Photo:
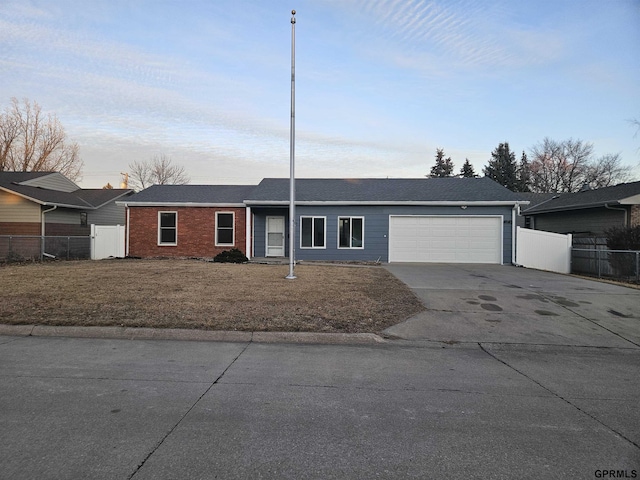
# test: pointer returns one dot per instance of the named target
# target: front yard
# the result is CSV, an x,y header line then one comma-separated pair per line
x,y
198,294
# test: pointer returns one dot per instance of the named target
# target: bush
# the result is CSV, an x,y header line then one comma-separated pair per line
x,y
623,238
231,256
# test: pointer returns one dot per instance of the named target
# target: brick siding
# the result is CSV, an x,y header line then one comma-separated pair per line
x,y
65,229
196,232
634,217
19,228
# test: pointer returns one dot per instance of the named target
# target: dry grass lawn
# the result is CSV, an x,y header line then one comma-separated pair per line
x,y
204,295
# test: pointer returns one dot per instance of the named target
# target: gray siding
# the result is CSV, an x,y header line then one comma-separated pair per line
x,y
376,229
589,222
110,214
66,216
55,181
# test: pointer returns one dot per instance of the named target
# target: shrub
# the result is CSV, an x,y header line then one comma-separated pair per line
x,y
231,256
623,238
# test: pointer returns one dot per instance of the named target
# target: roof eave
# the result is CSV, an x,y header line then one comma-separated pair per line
x,y
573,207
178,204
457,203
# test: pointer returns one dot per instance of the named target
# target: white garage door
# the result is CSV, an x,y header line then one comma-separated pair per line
x,y
443,239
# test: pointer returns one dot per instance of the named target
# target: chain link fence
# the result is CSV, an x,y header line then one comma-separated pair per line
x,y
604,263
23,248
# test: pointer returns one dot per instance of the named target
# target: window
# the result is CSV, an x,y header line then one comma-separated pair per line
x,y
312,232
224,228
167,228
350,232
83,219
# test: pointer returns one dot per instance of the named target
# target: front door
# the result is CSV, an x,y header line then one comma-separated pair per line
x,y
275,237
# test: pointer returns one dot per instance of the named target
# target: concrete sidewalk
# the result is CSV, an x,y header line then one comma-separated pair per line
x,y
505,304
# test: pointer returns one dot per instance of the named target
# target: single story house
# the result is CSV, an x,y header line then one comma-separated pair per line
x,y
588,213
48,203
465,220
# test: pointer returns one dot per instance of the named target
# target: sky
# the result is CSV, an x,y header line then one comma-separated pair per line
x,y
379,84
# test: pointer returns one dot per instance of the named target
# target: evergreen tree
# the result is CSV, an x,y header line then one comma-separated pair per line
x,y
443,166
467,170
523,175
502,167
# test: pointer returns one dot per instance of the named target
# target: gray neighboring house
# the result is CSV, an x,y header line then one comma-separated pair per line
x,y
48,203
587,213
448,220
533,199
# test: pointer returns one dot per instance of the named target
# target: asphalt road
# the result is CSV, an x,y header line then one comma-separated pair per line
x,y
458,392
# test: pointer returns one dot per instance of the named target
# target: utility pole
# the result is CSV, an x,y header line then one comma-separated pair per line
x,y
292,156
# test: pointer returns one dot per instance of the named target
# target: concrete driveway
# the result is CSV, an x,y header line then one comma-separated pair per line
x,y
506,304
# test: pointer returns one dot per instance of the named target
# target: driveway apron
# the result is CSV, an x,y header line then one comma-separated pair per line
x,y
506,304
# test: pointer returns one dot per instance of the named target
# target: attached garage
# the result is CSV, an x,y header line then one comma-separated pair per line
x,y
445,239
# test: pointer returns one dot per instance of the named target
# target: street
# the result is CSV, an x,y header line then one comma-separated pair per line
x,y
143,409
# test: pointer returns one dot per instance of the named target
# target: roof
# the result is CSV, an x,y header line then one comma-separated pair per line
x,y
85,199
623,194
203,195
384,191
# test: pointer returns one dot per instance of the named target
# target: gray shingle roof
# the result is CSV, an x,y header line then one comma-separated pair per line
x,y
587,199
190,194
383,190
87,199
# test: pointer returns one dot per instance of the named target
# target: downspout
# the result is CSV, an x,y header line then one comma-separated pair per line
x,y
514,210
126,251
248,234
43,231
620,209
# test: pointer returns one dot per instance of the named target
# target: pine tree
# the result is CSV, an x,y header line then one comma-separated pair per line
x,y
503,167
467,170
523,174
443,166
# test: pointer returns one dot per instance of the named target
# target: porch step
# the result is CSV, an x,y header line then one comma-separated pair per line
x,y
270,260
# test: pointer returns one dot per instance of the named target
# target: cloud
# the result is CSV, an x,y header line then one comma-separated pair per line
x,y
443,37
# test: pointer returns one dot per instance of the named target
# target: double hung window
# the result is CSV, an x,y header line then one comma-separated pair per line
x,y
167,228
224,229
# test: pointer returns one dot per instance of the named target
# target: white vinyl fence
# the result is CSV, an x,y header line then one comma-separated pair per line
x,y
543,250
107,241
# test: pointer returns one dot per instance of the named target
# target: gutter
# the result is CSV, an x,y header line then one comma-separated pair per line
x,y
606,205
457,203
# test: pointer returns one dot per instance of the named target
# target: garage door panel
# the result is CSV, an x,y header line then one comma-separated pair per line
x,y
453,239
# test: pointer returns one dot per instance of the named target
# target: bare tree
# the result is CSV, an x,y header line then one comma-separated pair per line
x,y
569,165
157,171
31,141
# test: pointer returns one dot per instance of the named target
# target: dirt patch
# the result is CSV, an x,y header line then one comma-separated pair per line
x,y
204,295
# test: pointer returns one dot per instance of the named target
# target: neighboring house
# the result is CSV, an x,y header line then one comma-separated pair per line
x,y
588,213
186,220
462,220
48,203
533,199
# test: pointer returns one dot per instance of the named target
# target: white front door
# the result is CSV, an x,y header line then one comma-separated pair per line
x,y
275,237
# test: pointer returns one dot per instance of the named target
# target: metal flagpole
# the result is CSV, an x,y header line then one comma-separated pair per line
x,y
292,142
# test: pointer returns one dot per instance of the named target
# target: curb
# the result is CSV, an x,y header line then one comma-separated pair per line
x,y
131,333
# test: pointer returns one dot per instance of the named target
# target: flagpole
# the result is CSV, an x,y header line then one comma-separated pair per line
x,y
292,143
